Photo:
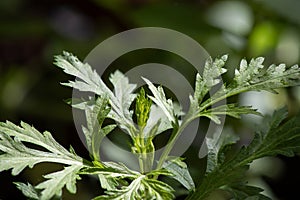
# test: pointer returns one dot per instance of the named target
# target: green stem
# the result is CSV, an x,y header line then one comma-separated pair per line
x,y
141,164
213,100
145,152
246,88
175,135
142,146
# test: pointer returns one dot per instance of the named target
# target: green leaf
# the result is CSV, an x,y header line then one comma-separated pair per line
x,y
201,89
213,69
123,91
140,188
28,190
226,170
274,77
111,169
217,147
108,183
212,72
131,192
228,109
225,167
27,133
242,192
254,77
216,179
181,173
158,189
284,140
246,72
94,133
80,103
17,156
110,174
89,81
57,180
160,99
157,122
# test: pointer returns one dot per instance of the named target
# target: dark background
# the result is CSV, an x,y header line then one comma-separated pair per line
x,y
33,31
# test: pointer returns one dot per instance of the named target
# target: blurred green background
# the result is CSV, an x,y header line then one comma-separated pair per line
x,y
32,31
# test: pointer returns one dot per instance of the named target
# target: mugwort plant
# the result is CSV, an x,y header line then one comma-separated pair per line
x,y
227,163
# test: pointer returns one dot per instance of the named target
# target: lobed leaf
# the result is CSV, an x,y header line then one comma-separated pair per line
x,y
211,77
123,91
180,173
228,109
247,72
57,180
17,156
94,133
157,122
217,147
28,190
160,99
276,139
212,71
252,76
242,192
89,81
141,188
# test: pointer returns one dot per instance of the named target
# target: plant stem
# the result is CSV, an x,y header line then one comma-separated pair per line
x,y
175,134
145,151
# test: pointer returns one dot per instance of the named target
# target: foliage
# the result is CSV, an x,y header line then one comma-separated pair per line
x,y
227,170
155,114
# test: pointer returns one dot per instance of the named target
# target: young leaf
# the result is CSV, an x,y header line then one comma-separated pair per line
x,y
158,190
217,147
272,78
255,77
157,122
141,188
92,82
28,190
94,133
160,99
228,109
27,133
181,173
17,156
111,169
201,90
211,77
108,183
246,73
212,72
111,175
123,91
57,180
